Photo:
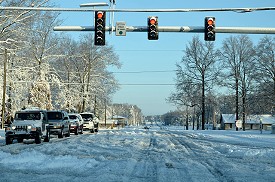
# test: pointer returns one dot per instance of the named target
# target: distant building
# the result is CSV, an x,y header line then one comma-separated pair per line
x,y
115,121
227,121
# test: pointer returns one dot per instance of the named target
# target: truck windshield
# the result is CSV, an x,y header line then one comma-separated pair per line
x,y
72,117
87,116
27,116
54,115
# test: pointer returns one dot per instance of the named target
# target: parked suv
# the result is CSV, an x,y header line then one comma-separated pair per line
x,y
28,124
59,123
76,123
90,122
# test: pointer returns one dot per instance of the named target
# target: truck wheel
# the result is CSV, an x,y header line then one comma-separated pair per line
x,y
76,131
61,134
37,138
92,131
8,140
47,138
81,132
68,134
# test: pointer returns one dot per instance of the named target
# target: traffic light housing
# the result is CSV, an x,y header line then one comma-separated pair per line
x,y
153,33
209,29
100,22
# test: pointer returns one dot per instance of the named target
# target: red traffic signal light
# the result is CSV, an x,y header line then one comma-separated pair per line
x,y
99,14
100,28
152,27
209,29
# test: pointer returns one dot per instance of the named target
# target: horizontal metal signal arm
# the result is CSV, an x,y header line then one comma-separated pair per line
x,y
132,28
74,28
245,30
191,29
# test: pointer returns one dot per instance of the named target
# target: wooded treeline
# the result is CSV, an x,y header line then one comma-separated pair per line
x,y
238,77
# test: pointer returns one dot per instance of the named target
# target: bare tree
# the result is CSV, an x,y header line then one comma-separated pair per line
x,y
196,74
266,73
238,55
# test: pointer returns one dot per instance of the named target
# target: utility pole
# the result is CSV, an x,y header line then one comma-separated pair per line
x,y
4,87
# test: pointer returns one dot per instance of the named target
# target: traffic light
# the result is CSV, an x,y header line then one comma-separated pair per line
x,y
100,27
209,29
153,33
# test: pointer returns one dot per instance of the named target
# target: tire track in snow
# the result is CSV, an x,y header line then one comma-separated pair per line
x,y
196,154
146,167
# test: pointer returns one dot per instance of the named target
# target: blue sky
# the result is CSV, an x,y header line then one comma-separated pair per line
x,y
138,54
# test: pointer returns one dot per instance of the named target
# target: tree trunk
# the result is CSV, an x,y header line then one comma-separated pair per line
x,y
203,102
237,101
243,101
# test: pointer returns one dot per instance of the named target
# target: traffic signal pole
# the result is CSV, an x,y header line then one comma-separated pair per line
x,y
183,29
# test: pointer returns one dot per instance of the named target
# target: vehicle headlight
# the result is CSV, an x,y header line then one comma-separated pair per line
x,y
13,127
29,127
57,126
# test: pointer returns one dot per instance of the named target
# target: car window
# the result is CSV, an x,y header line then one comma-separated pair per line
x,y
27,116
54,115
72,117
87,116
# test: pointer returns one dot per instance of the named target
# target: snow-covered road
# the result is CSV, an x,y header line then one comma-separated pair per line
x,y
134,154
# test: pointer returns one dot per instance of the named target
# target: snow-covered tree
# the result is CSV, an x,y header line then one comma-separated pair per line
x,y
83,69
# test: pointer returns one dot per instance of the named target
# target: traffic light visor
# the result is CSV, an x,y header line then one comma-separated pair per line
x,y
100,14
210,21
152,21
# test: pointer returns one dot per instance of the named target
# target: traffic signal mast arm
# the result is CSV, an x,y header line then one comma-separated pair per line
x,y
183,29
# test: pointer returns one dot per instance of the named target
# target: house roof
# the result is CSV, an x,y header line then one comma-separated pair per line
x,y
118,117
108,121
266,119
251,119
228,118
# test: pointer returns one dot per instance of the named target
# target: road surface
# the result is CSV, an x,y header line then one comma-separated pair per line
x,y
137,155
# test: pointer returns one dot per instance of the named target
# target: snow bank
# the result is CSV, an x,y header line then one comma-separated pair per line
x,y
32,159
2,133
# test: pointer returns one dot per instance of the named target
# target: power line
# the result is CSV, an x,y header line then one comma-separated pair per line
x,y
134,50
150,71
71,83
181,10
147,84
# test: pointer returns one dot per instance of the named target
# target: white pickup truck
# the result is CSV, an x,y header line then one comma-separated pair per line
x,y
28,124
90,122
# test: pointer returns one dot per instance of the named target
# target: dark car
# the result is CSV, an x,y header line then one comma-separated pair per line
x,y
59,123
